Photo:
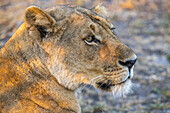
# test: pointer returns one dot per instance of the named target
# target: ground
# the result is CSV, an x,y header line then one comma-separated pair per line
x,y
144,26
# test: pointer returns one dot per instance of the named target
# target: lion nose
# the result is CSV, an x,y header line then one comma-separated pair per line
x,y
128,63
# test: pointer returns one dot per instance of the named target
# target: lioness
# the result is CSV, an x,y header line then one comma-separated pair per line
x,y
57,50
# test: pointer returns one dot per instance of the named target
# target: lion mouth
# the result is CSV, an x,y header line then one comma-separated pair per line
x,y
108,85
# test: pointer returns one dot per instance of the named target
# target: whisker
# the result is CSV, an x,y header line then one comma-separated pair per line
x,y
97,77
113,94
102,83
89,86
93,80
110,82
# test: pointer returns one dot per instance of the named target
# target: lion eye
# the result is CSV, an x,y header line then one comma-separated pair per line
x,y
91,40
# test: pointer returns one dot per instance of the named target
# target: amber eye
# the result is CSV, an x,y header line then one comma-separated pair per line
x,y
91,40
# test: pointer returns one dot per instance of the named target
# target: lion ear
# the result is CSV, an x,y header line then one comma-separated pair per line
x,y
36,16
101,10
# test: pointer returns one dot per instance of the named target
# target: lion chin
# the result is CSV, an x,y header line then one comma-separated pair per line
x,y
118,90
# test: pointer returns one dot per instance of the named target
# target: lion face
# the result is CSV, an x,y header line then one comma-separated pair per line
x,y
83,49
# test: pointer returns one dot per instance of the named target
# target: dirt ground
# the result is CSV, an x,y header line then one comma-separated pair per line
x,y
144,26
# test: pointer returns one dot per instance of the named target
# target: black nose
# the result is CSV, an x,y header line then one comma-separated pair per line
x,y
128,63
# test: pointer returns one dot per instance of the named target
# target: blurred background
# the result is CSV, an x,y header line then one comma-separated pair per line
x,y
143,25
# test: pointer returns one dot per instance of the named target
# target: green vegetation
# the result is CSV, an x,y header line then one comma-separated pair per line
x,y
156,90
114,17
168,16
166,92
154,33
168,32
159,106
98,108
168,56
138,24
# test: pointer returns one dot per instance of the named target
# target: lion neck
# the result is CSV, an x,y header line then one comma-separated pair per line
x,y
64,77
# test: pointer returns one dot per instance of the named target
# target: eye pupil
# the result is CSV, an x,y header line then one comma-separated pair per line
x,y
90,38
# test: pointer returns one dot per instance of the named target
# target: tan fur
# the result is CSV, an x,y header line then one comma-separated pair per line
x,y
48,58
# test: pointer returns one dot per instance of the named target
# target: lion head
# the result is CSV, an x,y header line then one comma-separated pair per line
x,y
82,47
